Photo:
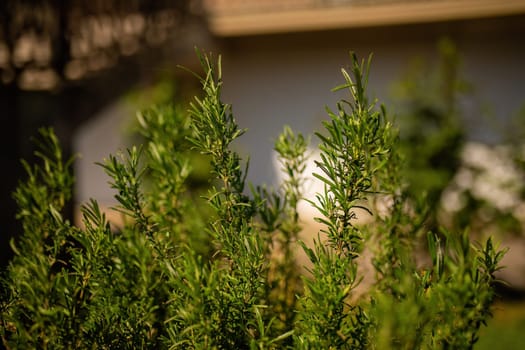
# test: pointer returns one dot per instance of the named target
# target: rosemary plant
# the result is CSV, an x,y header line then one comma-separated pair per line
x,y
356,146
178,276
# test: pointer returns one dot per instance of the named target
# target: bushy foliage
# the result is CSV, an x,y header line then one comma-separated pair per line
x,y
468,184
179,276
432,127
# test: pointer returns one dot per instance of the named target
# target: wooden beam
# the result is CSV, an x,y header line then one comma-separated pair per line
x,y
224,24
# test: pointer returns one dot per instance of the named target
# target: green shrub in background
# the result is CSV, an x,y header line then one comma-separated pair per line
x,y
176,276
430,118
468,184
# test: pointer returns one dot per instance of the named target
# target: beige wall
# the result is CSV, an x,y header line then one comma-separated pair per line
x,y
283,79
286,79
102,135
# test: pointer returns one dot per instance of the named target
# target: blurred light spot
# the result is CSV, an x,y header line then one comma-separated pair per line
x,y
4,55
23,48
75,69
38,79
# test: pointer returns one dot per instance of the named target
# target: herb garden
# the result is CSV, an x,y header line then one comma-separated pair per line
x,y
221,272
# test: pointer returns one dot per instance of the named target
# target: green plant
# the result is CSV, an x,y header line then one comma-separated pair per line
x,y
175,276
430,118
468,184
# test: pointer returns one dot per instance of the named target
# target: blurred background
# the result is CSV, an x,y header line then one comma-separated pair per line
x,y
450,71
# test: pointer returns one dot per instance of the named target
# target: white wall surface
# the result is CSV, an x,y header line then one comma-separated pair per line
x,y
286,79
94,141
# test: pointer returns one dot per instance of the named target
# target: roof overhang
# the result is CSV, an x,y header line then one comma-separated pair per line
x,y
224,23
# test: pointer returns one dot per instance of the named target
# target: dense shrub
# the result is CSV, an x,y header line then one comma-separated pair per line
x,y
177,275
468,183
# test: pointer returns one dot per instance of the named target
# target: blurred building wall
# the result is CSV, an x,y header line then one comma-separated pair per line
x,y
274,79
276,76
278,79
